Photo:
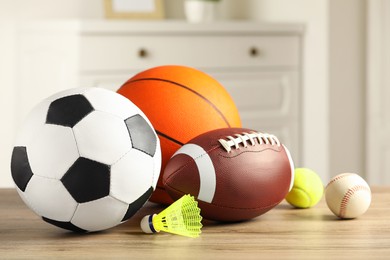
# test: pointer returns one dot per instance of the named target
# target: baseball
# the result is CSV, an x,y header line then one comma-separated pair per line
x,y
348,195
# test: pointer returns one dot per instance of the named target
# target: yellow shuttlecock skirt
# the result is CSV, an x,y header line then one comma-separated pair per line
x,y
181,218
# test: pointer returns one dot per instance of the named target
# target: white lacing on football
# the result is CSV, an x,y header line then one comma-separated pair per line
x,y
263,138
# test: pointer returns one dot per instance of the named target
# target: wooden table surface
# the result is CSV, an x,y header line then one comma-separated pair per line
x,y
282,233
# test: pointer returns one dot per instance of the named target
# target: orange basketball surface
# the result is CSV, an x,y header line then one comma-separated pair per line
x,y
181,103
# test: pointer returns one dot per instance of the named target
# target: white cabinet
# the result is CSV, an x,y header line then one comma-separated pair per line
x,y
107,52
259,64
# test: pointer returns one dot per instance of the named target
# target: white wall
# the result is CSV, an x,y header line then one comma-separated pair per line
x,y
50,9
7,99
347,74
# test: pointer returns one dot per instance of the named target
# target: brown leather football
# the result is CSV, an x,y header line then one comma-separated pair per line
x,y
235,173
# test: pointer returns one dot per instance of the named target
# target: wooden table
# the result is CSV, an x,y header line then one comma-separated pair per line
x,y
282,233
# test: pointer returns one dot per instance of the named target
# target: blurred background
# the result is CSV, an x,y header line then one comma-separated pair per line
x,y
340,79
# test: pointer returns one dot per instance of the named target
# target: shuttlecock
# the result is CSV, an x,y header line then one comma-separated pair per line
x,y
181,218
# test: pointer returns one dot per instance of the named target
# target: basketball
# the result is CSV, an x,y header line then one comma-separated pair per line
x,y
181,103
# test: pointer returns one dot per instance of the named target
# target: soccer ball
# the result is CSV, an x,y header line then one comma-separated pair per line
x,y
86,159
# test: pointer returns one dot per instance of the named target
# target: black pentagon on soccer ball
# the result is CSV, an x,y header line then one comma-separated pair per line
x,y
20,167
68,111
142,135
87,180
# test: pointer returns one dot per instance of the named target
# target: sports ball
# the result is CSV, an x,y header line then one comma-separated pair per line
x,y
348,195
181,103
307,189
235,173
86,159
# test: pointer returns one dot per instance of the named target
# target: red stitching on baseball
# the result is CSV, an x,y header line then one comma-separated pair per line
x,y
338,178
347,197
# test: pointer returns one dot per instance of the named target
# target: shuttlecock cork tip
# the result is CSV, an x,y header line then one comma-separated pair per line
x,y
147,224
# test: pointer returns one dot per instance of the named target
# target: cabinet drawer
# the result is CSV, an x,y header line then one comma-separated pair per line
x,y
264,94
118,53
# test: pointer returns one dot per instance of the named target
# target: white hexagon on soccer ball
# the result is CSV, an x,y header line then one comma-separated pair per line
x,y
99,214
126,184
52,151
117,105
100,132
49,198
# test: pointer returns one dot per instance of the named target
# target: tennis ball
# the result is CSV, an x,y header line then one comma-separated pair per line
x,y
307,190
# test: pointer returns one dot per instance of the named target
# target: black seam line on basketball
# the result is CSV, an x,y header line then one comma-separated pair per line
x,y
189,89
169,138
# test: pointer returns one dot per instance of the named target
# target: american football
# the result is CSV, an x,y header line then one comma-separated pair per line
x,y
235,173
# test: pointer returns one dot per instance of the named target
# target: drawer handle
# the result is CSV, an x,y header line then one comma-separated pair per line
x,y
253,52
142,53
